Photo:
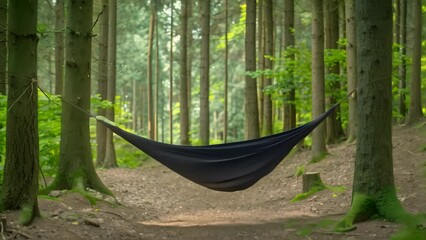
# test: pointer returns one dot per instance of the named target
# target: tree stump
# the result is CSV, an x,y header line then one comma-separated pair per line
x,y
311,179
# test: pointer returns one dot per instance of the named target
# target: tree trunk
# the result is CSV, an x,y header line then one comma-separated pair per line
x,y
171,76
251,107
101,130
269,51
76,169
149,71
289,105
157,79
373,187
225,110
331,28
184,111
351,68
204,78
110,157
261,57
3,46
415,111
318,93
59,46
402,68
20,179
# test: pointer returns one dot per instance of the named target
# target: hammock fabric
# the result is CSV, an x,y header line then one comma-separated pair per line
x,y
224,167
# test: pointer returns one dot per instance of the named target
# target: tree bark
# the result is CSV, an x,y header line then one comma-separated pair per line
x,y
289,42
59,46
76,169
184,111
171,76
269,51
251,107
331,28
3,46
205,69
351,67
318,92
20,179
149,71
373,187
225,110
415,111
101,130
261,57
402,68
110,157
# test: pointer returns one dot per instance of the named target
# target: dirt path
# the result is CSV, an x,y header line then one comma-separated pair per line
x,y
158,204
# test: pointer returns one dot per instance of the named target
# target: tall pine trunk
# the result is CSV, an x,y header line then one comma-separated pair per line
x,y
251,107
415,111
110,157
351,67
318,88
3,46
373,187
402,68
59,46
76,169
205,69
149,71
171,75
289,42
20,179
101,130
269,52
225,110
184,111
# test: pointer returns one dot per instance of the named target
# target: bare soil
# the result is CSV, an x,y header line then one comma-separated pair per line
x,y
159,204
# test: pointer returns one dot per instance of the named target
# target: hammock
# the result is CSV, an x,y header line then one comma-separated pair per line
x,y
223,167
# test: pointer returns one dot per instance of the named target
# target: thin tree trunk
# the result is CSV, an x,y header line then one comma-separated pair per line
x,y
3,46
351,67
20,178
251,107
225,111
269,51
149,74
318,92
261,57
102,82
184,111
171,76
331,28
204,78
59,46
415,111
157,79
110,157
289,105
402,69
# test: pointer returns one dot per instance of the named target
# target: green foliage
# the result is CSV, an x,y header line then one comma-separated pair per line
x,y
317,188
300,170
236,31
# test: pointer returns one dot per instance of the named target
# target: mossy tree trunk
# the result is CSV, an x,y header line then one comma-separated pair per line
x,y
20,180
373,186
76,168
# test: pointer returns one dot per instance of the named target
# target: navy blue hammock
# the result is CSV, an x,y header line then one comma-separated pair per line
x,y
224,167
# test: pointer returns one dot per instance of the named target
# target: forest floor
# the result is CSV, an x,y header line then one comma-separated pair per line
x,y
158,204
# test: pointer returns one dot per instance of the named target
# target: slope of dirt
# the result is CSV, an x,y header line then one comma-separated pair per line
x,y
158,204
